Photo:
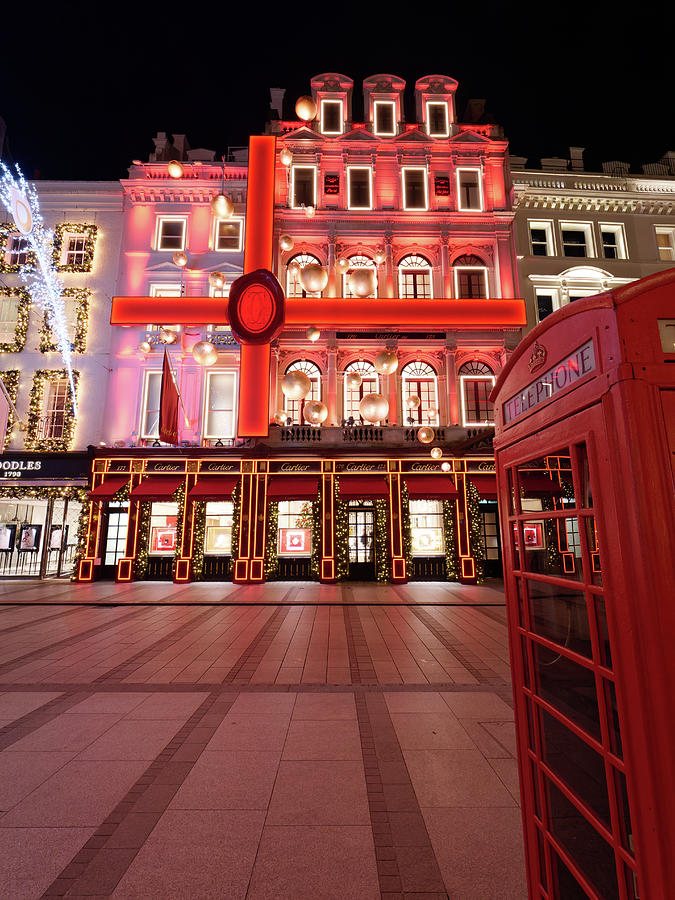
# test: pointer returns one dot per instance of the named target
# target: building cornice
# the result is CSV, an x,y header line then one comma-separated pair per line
x,y
593,193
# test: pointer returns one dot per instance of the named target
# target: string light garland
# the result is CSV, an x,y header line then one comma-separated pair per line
x,y
236,500
33,439
20,199
7,231
271,565
341,534
74,229
407,531
180,521
382,556
79,343
315,560
10,379
82,534
199,536
451,557
476,544
22,310
140,567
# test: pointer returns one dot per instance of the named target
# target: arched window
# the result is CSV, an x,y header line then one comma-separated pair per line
x,y
477,380
358,262
294,286
370,384
294,408
470,278
419,378
414,278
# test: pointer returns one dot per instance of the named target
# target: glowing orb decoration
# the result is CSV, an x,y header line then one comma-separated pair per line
x,y
286,242
374,408
342,265
217,280
280,417
431,413
222,207
436,453
286,157
168,336
445,466
20,209
362,282
144,347
305,108
179,259
315,412
312,333
175,169
309,211
314,278
295,385
386,362
353,380
413,402
380,257
204,353
425,435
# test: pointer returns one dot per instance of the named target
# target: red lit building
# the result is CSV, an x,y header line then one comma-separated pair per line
x,y
424,207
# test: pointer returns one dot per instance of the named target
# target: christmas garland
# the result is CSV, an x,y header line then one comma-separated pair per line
x,y
341,525
22,310
407,531
10,379
451,558
382,555
180,516
236,498
33,441
142,534
271,554
82,532
5,231
315,562
476,544
199,536
79,344
89,232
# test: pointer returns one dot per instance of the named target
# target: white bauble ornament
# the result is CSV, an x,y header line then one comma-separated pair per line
x,y
217,280
295,385
222,206
180,259
380,257
305,108
312,333
374,408
204,353
342,265
436,453
445,466
315,412
386,362
145,347
168,336
286,242
431,413
309,211
175,169
353,380
425,434
280,417
314,278
286,157
362,282
413,402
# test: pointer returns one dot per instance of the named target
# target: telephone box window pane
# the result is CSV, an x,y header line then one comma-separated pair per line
x,y
603,633
593,552
567,686
552,547
583,843
613,717
549,480
576,764
535,784
559,614
568,887
543,877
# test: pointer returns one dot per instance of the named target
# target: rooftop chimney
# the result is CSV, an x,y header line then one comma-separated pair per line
x,y
615,167
277,101
474,112
554,164
577,159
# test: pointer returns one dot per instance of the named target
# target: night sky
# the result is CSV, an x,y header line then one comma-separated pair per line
x,y
98,82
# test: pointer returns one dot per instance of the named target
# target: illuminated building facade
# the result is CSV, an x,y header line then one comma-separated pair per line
x,y
425,207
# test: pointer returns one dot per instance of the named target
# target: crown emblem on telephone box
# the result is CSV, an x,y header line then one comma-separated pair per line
x,y
538,357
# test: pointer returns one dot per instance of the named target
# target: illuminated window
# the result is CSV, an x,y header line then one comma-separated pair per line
x,y
370,384
419,379
152,386
541,238
56,408
358,262
294,408
294,286
470,278
360,187
577,239
437,119
426,528
294,528
384,118
477,381
415,187
9,315
171,234
163,527
613,242
469,189
303,186
74,250
331,117
18,250
414,277
218,528
164,289
220,404
665,243
229,235
547,301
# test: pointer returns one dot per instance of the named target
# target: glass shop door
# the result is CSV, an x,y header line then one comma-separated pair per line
x,y
115,542
362,541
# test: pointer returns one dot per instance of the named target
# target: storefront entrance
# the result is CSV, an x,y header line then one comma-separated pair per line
x,y
361,540
116,536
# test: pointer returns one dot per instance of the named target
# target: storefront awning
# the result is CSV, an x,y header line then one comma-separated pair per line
x,y
108,488
214,487
355,487
535,483
486,485
430,487
293,487
157,487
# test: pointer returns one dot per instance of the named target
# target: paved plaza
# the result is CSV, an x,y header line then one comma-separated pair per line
x,y
275,742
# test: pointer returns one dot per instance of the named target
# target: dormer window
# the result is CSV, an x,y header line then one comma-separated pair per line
x,y
437,119
415,191
384,118
469,189
360,187
331,117
303,186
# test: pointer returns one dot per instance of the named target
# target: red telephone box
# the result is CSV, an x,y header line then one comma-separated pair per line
x,y
585,453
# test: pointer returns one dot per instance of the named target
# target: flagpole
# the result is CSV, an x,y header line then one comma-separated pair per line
x,y
173,375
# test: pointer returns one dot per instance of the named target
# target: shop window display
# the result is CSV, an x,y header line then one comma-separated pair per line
x,y
38,536
163,522
426,527
295,528
218,528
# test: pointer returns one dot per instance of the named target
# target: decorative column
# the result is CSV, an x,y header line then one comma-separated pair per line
x,y
399,574
467,562
446,275
331,288
328,570
389,287
391,392
249,567
331,393
125,566
452,398
184,570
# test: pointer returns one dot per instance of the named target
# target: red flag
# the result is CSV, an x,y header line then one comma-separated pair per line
x,y
168,405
